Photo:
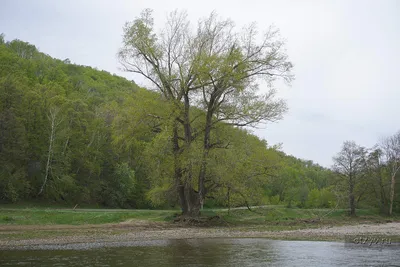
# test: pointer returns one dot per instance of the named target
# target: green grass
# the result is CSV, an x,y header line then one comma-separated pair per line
x,y
287,218
36,216
45,204
270,218
273,217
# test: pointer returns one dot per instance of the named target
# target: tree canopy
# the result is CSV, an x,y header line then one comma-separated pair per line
x,y
214,69
77,135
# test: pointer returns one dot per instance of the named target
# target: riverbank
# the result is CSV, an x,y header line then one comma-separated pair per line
x,y
58,228
31,237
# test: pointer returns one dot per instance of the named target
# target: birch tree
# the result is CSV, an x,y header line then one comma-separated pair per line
x,y
55,121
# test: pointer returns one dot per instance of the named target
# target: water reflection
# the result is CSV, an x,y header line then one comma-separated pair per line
x,y
206,252
195,252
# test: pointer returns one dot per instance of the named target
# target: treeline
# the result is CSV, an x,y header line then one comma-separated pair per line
x,y
56,131
367,176
74,134
78,135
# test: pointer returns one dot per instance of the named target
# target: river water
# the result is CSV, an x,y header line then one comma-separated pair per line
x,y
206,252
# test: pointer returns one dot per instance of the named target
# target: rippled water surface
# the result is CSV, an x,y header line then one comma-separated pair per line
x,y
206,252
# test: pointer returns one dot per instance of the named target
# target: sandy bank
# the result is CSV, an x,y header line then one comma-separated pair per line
x,y
87,236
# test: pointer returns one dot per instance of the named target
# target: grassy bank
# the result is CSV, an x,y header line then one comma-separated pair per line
x,y
50,216
270,216
37,225
279,215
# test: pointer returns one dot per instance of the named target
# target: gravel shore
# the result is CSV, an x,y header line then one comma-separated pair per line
x,y
125,234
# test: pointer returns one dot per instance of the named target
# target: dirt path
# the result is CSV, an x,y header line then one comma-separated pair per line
x,y
38,237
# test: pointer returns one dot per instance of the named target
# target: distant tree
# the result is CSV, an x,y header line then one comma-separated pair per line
x,y
23,49
349,164
379,181
391,151
13,143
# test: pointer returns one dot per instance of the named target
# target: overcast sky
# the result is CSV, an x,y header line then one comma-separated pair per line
x,y
346,57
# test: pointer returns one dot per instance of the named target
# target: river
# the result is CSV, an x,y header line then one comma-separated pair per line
x,y
206,252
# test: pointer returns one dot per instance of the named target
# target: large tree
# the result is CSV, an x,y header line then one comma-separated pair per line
x,y
215,69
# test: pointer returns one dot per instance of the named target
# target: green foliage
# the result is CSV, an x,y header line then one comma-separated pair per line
x,y
55,129
274,200
120,188
112,145
297,181
321,199
209,77
103,127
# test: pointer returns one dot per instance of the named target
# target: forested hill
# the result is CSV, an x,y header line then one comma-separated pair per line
x,y
56,127
74,134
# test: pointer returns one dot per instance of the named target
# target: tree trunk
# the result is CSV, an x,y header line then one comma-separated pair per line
x,y
392,185
182,199
178,171
229,200
206,150
193,202
188,197
189,201
382,195
52,118
351,198
202,176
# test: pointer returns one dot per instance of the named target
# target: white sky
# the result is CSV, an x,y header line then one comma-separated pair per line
x,y
345,54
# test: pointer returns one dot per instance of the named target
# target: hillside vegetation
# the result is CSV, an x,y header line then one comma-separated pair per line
x,y
72,134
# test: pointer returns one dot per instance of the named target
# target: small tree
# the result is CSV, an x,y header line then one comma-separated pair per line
x,y
349,164
391,151
376,171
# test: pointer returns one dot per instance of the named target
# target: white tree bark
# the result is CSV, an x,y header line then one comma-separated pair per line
x,y
52,116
